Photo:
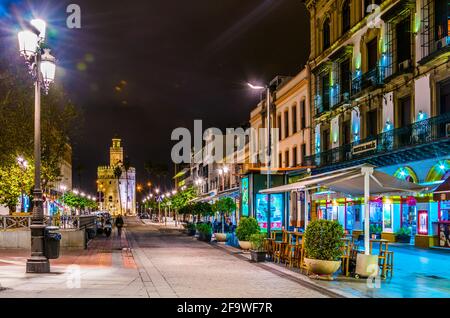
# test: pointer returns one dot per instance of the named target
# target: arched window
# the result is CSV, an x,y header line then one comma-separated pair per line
x,y
326,34
345,16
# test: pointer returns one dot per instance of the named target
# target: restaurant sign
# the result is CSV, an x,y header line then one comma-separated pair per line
x,y
367,146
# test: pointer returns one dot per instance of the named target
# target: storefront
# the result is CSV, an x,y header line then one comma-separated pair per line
x,y
442,195
267,209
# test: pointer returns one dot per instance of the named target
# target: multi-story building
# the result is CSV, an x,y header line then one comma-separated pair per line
x,y
117,193
381,84
291,118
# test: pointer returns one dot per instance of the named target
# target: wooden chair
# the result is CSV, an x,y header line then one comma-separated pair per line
x,y
386,263
346,256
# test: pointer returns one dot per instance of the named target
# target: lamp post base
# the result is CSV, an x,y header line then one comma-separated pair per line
x,y
38,262
40,265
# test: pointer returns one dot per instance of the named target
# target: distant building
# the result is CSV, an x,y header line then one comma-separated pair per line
x,y
117,195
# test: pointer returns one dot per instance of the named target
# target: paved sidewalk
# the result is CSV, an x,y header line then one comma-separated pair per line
x,y
105,269
162,262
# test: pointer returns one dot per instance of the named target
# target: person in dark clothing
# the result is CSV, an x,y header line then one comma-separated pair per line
x,y
119,225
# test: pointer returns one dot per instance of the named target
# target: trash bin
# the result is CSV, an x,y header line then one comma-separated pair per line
x,y
52,242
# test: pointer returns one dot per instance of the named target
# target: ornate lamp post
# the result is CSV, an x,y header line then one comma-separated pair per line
x,y
42,68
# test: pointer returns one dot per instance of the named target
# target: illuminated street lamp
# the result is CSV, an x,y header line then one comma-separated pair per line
x,y
268,89
42,68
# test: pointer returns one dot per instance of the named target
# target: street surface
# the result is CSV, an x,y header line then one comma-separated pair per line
x,y
149,261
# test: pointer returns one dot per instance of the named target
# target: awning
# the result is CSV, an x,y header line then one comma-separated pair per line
x,y
360,180
351,181
442,192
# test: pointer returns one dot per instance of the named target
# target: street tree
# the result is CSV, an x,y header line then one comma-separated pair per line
x,y
224,206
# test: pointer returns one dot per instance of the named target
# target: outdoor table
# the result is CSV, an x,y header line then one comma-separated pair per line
x,y
383,255
383,244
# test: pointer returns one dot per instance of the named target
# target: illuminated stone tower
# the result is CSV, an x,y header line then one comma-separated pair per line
x,y
119,194
115,153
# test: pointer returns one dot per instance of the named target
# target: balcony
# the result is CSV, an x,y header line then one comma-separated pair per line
x,y
423,139
372,78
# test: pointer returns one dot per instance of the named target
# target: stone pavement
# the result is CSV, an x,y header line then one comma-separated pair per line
x,y
161,263
153,260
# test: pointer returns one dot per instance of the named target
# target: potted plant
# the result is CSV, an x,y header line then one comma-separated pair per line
x,y
403,235
205,232
223,206
191,229
323,246
375,230
247,227
258,253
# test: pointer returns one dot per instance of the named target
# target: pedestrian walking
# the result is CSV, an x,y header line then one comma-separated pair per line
x,y
119,225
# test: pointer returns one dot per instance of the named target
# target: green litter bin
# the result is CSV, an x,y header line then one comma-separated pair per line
x,y
52,242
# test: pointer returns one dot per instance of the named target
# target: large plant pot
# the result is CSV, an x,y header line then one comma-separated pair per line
x,y
366,265
258,256
191,232
221,237
322,267
245,245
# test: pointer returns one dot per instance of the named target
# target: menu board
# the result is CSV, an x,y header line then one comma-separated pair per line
x,y
276,211
244,195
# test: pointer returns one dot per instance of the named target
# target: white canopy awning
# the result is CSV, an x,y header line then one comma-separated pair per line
x,y
360,180
351,181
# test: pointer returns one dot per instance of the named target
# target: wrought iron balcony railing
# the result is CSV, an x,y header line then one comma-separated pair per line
x,y
419,133
374,77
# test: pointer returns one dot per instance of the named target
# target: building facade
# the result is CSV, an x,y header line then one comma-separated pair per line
x,y
380,81
117,193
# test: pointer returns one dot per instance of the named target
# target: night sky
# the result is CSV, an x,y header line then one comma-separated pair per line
x,y
140,68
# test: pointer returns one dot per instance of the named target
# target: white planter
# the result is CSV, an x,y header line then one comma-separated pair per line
x,y
221,237
322,267
366,265
245,245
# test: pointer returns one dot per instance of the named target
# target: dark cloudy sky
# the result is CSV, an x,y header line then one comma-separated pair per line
x,y
140,68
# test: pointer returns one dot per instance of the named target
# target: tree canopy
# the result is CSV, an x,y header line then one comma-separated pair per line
x,y
59,122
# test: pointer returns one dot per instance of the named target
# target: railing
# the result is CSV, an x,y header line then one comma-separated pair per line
x,y
64,222
422,132
319,106
371,78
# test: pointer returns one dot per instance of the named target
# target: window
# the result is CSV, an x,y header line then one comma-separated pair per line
x,y
325,92
444,97
371,123
286,124
403,36
442,19
325,140
404,112
345,74
286,158
279,126
294,157
346,139
302,115
345,16
303,154
326,34
294,119
372,54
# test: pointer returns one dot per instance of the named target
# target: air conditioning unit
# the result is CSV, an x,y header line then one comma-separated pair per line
x,y
442,43
403,66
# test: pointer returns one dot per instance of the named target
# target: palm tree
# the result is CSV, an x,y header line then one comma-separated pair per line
x,y
126,165
117,175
